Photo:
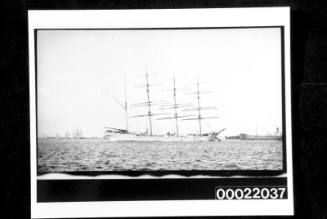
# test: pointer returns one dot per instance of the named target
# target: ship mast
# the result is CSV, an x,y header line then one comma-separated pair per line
x,y
199,108
175,115
149,103
125,106
175,107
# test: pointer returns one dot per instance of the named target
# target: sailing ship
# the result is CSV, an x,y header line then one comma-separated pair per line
x,y
116,134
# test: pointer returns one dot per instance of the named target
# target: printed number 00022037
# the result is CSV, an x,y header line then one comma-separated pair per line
x,y
250,193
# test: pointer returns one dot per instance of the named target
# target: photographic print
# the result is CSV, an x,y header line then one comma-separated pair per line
x,y
154,106
159,99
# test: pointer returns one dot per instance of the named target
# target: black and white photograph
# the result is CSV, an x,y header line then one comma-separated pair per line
x,y
180,103
151,100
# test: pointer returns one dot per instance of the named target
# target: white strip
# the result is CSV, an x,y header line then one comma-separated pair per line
x,y
167,208
57,176
159,18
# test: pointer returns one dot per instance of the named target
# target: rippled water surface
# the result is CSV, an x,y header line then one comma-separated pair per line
x,y
60,155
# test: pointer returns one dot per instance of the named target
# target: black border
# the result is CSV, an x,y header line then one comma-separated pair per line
x,y
179,172
90,190
308,69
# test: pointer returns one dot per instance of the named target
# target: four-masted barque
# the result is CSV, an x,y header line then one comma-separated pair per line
x,y
178,115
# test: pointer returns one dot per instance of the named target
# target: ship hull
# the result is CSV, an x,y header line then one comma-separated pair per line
x,y
131,137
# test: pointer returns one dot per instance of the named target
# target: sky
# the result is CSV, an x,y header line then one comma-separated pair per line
x,y
80,78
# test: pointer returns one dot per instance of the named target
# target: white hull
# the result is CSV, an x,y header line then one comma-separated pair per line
x,y
132,137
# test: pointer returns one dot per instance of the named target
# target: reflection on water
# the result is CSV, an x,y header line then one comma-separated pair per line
x,y
60,155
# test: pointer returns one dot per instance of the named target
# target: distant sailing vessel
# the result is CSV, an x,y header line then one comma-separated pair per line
x,y
115,134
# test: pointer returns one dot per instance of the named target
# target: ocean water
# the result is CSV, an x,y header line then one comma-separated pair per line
x,y
60,155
